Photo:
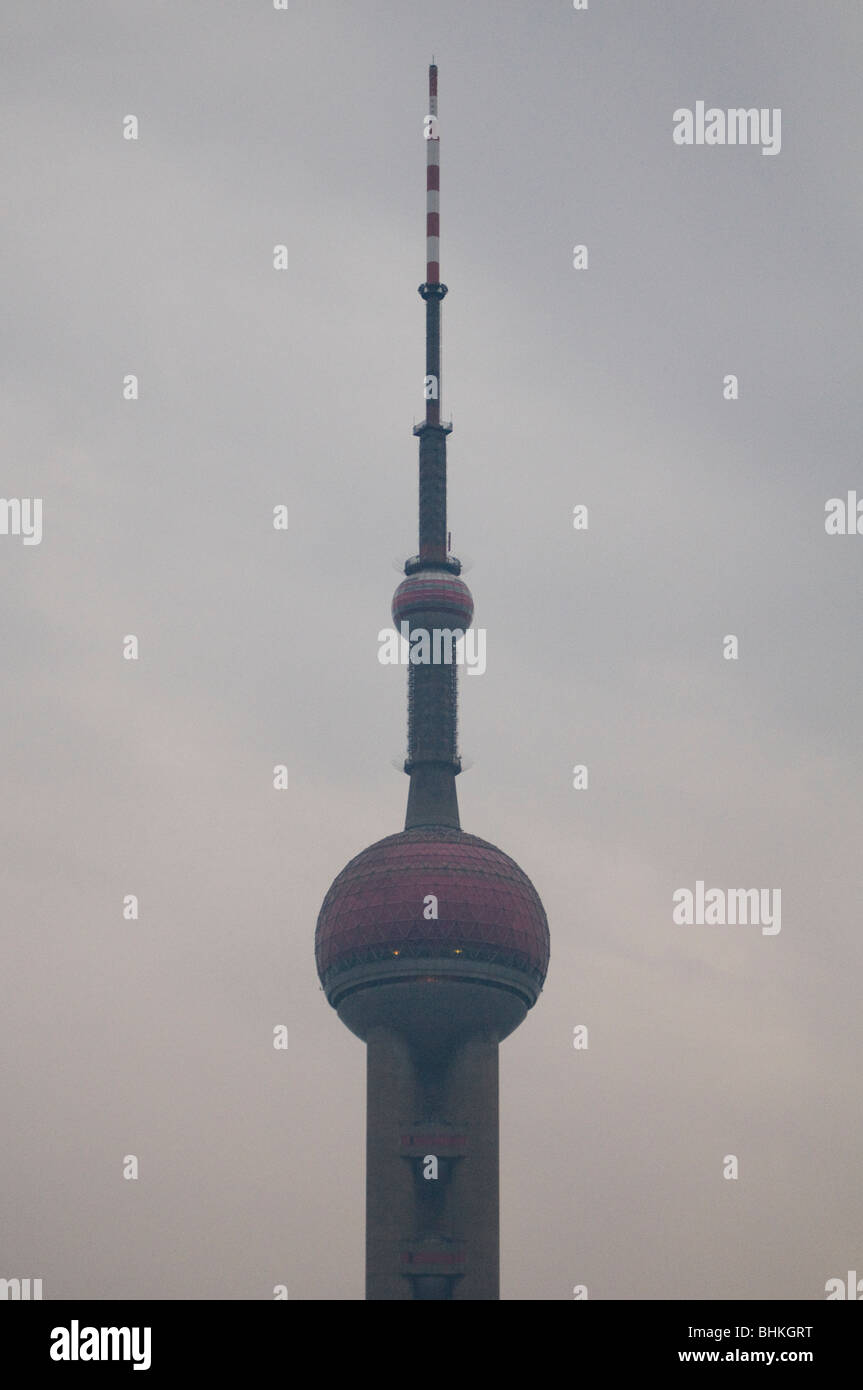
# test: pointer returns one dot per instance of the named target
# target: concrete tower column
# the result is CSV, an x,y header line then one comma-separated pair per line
x,y
391,1104
473,1198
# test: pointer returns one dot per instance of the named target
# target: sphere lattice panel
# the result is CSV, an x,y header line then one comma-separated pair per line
x,y
433,598
490,923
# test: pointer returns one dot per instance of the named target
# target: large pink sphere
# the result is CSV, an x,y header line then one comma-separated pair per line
x,y
490,923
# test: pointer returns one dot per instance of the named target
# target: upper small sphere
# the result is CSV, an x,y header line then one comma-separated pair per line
x,y
433,599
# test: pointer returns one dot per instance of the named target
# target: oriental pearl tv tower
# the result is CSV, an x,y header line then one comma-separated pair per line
x,y
432,944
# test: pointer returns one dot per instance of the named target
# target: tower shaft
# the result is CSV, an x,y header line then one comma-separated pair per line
x,y
432,1238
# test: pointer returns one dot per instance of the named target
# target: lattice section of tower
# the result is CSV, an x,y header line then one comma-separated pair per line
x,y
432,714
432,496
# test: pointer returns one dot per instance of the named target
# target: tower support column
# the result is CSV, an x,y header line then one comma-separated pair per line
x,y
472,1102
391,1103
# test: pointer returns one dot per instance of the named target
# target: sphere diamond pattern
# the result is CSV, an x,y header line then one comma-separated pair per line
x,y
488,909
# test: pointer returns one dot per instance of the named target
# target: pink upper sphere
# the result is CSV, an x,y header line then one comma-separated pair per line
x,y
433,598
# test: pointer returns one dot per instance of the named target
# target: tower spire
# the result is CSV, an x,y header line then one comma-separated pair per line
x,y
432,599
432,184
433,458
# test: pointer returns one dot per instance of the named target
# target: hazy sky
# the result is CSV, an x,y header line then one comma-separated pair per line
x,y
258,387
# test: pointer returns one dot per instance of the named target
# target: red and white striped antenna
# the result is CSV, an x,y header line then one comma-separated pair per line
x,y
433,186
433,431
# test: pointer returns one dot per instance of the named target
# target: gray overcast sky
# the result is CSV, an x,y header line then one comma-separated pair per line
x,y
257,387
